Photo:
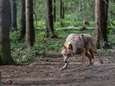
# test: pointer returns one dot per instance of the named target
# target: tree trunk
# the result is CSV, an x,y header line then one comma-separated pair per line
x,y
61,11
101,15
30,33
50,24
5,25
47,30
14,14
23,20
54,4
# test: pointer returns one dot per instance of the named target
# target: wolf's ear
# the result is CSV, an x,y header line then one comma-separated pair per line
x,y
64,46
70,46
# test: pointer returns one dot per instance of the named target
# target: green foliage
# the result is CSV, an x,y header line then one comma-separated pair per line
x,y
23,55
39,24
40,35
74,22
14,36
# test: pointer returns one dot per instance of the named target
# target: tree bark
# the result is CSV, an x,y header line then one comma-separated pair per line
x,y
30,33
50,23
54,6
101,15
61,11
23,20
14,14
5,25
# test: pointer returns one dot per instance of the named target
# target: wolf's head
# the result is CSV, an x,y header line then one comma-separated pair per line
x,y
67,51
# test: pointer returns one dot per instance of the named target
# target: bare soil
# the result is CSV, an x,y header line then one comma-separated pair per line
x,y
46,72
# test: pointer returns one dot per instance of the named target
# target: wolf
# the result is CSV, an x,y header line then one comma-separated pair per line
x,y
83,44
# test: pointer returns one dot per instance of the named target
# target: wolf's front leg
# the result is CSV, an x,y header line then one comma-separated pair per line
x,y
66,62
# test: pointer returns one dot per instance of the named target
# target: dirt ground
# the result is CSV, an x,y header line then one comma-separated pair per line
x,y
45,72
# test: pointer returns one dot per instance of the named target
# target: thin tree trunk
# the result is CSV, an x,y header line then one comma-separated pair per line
x,y
30,33
61,11
14,14
50,23
47,30
23,20
5,25
106,3
54,4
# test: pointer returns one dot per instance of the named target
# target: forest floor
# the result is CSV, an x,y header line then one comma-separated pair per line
x,y
46,72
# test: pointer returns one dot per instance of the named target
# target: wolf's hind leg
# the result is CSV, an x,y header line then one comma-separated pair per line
x,y
88,54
